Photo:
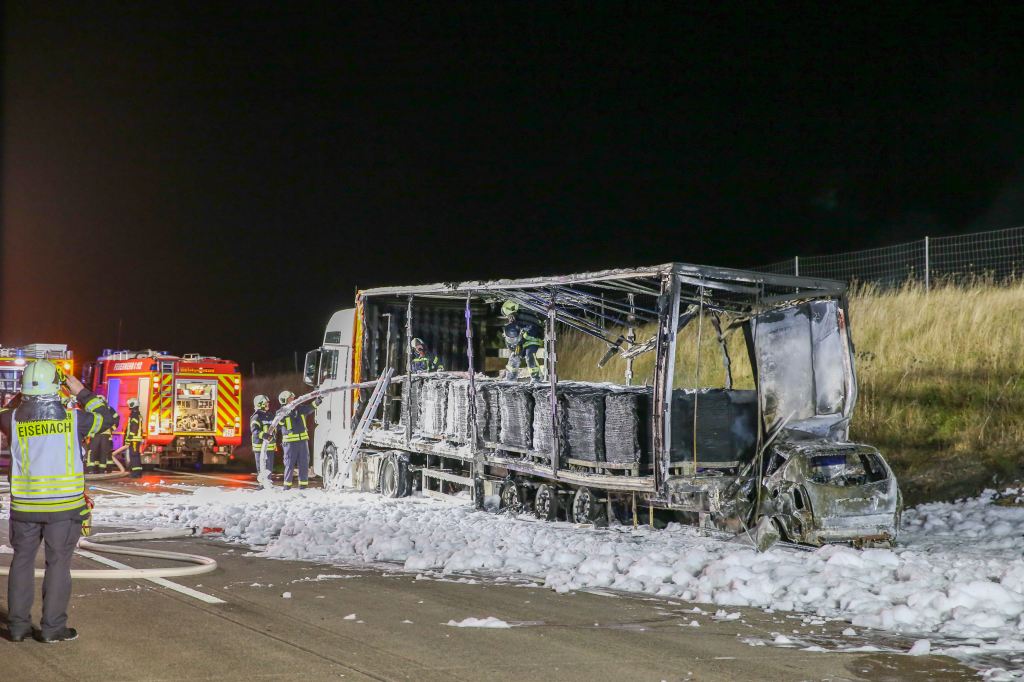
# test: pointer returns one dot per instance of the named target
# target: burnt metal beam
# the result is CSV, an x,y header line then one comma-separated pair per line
x,y
664,370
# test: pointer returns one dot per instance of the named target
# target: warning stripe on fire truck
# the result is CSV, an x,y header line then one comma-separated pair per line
x,y
229,407
166,398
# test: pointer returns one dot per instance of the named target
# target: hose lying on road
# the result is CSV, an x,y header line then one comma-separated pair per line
x,y
121,472
97,543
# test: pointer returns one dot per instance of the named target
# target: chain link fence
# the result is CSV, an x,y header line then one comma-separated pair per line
x,y
996,255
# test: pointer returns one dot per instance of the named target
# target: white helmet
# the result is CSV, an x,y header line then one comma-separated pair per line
x,y
133,403
285,397
41,377
261,402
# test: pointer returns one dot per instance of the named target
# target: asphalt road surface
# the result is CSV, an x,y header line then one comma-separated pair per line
x,y
375,623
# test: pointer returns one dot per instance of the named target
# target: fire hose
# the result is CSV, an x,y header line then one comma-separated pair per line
x,y
262,476
114,474
99,542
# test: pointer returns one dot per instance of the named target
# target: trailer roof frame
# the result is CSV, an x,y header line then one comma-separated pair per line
x,y
727,287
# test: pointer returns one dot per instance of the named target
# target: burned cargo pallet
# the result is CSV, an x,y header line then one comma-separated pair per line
x,y
515,406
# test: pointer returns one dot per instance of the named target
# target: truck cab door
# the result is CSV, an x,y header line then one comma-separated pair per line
x,y
334,415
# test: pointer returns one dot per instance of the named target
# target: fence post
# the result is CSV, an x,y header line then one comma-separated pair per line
x,y
796,265
927,266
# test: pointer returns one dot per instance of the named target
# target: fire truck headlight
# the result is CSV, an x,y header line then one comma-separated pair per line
x,y
19,361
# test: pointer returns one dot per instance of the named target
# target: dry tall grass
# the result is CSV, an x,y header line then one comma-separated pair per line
x,y
941,380
942,383
579,355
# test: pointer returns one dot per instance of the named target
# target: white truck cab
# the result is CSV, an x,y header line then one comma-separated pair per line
x,y
327,367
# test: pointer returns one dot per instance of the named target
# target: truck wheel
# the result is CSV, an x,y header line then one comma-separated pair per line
x,y
545,502
511,498
330,467
586,508
394,476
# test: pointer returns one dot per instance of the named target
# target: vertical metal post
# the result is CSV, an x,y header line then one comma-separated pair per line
x,y
295,357
696,373
407,402
664,369
927,266
479,464
387,363
796,265
472,376
630,337
550,360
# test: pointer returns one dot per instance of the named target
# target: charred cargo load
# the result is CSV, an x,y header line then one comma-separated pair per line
x,y
675,392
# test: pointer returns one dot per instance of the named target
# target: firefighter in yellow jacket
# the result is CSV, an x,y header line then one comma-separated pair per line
x,y
100,450
295,438
133,438
47,493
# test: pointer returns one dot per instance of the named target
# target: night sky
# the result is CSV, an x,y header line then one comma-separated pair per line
x,y
222,176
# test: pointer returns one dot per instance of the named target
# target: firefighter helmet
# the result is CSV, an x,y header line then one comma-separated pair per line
x,y
41,377
416,342
261,402
509,308
133,403
285,397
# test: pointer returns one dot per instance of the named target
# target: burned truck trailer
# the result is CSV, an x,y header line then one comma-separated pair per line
x,y
630,420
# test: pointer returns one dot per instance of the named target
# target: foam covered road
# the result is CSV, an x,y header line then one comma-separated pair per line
x,y
955,585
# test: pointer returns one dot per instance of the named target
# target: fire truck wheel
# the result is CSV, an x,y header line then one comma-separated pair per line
x,y
394,476
586,508
545,503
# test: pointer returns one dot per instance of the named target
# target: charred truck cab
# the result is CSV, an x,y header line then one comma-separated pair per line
x,y
709,395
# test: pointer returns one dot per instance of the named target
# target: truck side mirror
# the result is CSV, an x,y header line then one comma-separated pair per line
x,y
312,366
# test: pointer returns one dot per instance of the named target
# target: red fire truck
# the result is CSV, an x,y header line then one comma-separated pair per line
x,y
190,405
12,366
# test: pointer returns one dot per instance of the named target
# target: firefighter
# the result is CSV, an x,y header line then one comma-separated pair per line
x,y
259,425
423,361
48,502
295,437
524,336
100,449
133,437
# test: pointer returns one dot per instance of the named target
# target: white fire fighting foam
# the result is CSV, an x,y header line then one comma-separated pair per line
x,y
957,576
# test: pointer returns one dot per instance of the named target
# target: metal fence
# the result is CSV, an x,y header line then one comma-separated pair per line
x,y
998,255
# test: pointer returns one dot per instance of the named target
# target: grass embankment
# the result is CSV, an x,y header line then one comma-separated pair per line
x,y
941,381
942,384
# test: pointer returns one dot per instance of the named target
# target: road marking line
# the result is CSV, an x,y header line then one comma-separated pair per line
x,y
163,582
115,492
216,478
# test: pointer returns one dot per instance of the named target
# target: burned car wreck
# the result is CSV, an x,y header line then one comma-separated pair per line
x,y
675,392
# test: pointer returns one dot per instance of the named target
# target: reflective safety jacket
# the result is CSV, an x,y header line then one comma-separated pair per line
x,y
525,330
133,434
429,362
259,425
293,427
47,473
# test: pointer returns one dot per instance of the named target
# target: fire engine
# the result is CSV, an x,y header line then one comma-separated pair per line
x,y
190,404
12,366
